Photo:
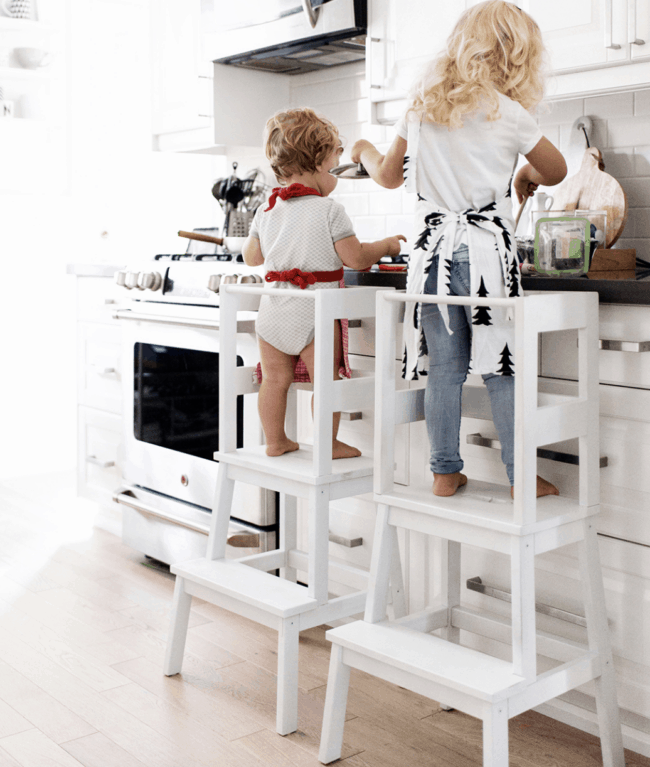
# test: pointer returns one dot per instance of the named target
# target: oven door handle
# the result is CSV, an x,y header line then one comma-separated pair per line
x,y
126,498
185,322
243,326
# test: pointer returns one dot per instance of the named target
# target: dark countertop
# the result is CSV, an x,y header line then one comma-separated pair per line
x,y
609,291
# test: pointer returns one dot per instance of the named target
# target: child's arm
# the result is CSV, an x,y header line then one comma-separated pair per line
x,y
546,167
387,170
252,252
361,255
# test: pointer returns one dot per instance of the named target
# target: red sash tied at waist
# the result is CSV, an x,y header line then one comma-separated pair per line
x,y
303,279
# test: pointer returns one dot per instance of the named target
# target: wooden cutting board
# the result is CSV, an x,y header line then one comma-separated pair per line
x,y
593,189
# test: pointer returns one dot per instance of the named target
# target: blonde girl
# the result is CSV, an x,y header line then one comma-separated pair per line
x,y
457,147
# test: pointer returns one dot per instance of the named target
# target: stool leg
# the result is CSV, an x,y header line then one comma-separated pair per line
x,y
380,567
319,512
288,533
611,741
338,682
397,591
450,589
220,514
286,717
495,736
179,620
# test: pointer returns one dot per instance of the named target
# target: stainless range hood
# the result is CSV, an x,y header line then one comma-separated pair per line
x,y
285,36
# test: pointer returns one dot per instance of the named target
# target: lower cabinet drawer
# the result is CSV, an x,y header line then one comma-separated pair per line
x,y
99,454
99,382
625,359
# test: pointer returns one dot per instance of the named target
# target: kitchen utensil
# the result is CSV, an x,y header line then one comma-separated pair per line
x,y
17,9
593,189
351,170
201,237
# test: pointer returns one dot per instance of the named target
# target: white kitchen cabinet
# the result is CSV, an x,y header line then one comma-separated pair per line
x,y
99,387
182,79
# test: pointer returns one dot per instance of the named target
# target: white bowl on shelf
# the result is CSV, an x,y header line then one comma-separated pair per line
x,y
234,244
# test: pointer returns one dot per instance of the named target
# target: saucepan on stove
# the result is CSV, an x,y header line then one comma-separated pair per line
x,y
353,170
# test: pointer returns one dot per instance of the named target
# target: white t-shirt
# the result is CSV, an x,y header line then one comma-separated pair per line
x,y
472,165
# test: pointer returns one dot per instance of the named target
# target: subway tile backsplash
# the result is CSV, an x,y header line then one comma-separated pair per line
x,y
621,130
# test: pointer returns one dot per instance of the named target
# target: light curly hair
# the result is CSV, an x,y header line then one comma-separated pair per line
x,y
494,48
298,141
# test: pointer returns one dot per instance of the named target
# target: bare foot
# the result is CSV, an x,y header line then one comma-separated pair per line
x,y
447,484
341,450
543,488
280,448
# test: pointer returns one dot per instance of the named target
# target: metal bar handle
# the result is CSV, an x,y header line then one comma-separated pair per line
x,y
127,499
624,346
542,452
350,543
97,462
312,13
476,584
183,322
631,24
609,24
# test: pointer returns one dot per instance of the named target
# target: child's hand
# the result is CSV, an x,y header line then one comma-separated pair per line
x,y
393,246
358,147
524,186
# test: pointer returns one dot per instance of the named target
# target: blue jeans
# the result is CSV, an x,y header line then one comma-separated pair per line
x,y
449,356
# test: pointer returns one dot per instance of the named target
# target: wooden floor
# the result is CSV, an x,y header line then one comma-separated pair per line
x,y
83,627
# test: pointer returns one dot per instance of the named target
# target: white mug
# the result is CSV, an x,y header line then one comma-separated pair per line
x,y
32,58
543,201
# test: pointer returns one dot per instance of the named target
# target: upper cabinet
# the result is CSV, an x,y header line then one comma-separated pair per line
x,y
594,45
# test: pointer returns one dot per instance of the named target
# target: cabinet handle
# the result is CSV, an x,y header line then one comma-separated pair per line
x,y
127,498
631,24
102,464
354,324
624,346
312,14
110,301
351,416
609,40
372,85
102,371
350,543
542,452
476,584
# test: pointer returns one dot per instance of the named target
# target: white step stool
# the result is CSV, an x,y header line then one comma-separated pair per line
x,y
402,650
245,586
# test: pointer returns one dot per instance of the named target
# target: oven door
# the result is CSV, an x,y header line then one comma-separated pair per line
x,y
171,415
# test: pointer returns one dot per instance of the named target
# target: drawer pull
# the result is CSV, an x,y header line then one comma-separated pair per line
x,y
102,464
102,371
354,324
542,452
110,301
351,416
624,346
476,584
350,543
127,498
244,540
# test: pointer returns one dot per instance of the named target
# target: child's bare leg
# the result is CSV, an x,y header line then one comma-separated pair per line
x,y
339,449
277,375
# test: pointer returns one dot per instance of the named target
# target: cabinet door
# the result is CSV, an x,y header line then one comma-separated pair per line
x,y
638,28
99,454
176,66
581,33
402,37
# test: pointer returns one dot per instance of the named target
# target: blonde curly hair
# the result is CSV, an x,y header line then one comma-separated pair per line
x,y
298,141
494,48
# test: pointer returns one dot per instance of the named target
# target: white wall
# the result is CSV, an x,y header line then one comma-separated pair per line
x,y
98,176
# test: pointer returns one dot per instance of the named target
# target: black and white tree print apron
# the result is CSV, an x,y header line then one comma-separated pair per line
x,y
493,268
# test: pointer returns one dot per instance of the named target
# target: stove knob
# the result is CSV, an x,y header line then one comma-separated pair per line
x,y
229,279
245,279
120,279
150,280
131,280
213,282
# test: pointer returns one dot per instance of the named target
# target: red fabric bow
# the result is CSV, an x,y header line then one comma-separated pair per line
x,y
293,190
294,276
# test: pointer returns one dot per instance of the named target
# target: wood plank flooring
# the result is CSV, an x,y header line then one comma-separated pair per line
x,y
83,627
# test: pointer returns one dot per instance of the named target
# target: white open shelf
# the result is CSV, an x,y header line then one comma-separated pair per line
x,y
27,25
19,73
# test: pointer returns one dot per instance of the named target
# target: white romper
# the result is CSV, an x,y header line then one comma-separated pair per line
x,y
298,233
